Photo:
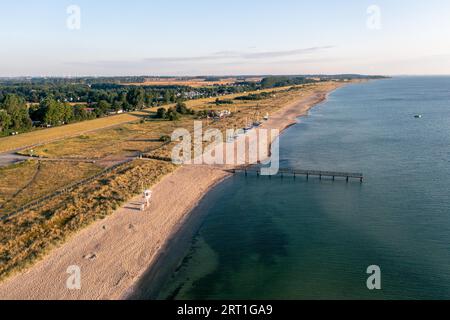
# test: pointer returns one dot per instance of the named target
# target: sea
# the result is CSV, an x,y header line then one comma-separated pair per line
x,y
286,238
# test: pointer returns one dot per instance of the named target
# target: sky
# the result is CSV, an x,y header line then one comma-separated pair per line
x,y
232,37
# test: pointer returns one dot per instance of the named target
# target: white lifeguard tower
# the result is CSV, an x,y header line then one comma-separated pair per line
x,y
147,199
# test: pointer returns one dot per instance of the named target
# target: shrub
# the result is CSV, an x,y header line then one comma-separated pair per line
x,y
226,101
161,113
165,138
172,115
181,108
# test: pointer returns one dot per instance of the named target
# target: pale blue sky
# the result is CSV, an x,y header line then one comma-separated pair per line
x,y
197,37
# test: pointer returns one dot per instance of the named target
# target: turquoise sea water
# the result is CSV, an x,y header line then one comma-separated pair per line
x,y
286,239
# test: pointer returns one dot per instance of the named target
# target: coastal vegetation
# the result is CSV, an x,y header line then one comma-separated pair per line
x,y
41,103
23,182
104,152
174,113
27,104
255,96
14,114
29,235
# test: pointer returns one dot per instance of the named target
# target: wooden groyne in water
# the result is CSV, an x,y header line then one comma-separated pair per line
x,y
307,173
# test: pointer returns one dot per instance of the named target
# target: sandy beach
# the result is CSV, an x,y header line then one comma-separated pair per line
x,y
130,247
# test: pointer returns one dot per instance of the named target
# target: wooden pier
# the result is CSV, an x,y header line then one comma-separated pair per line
x,y
307,173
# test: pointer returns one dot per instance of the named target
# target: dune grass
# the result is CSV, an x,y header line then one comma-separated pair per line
x,y
28,236
29,180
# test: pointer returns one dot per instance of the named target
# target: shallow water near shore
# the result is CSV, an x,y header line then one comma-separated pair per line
x,y
296,239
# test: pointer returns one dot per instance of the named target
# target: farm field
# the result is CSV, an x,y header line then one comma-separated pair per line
x,y
44,135
195,83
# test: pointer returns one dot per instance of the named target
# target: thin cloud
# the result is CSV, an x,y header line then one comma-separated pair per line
x,y
226,55
286,53
216,60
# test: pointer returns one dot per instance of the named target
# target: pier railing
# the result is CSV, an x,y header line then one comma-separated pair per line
x,y
307,173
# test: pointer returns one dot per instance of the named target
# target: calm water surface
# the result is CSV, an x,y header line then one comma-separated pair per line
x,y
286,239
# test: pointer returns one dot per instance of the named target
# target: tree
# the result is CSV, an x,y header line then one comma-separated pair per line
x,y
102,108
167,96
181,108
68,113
165,138
161,113
172,115
5,120
17,109
136,98
80,114
202,114
55,113
117,106
52,114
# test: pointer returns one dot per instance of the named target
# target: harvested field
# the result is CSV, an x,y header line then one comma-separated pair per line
x,y
119,142
45,135
195,83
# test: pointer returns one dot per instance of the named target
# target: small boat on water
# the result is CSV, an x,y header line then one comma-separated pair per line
x,y
418,116
266,117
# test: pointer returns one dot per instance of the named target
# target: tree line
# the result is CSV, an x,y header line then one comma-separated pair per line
x,y
27,105
51,102
18,115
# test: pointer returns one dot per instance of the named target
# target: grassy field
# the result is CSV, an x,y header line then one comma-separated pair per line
x,y
195,83
131,139
45,135
52,134
28,236
29,180
121,141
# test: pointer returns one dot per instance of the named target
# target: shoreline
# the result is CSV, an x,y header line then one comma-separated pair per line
x,y
118,254
171,254
178,244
